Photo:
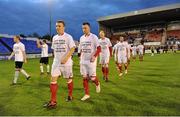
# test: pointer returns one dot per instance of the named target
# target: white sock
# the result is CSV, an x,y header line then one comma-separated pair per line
x,y
16,75
47,68
41,68
24,73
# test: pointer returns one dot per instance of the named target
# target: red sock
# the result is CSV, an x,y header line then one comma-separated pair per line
x,y
96,81
125,67
107,72
120,68
86,86
103,71
70,88
53,88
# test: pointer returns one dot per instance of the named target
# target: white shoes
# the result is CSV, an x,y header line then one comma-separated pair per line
x,y
98,88
126,71
85,97
120,74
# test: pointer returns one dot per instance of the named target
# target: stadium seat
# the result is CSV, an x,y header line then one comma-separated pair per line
x,y
31,47
3,49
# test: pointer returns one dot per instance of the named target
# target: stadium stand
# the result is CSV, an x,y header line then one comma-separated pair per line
x,y
157,24
155,36
3,49
31,47
174,33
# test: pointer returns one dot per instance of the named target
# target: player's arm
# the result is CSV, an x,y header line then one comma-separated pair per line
x,y
127,52
79,50
68,55
24,56
23,53
98,50
116,53
12,54
110,50
38,44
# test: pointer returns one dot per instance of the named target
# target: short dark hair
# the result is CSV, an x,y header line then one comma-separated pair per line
x,y
17,36
61,21
86,23
44,40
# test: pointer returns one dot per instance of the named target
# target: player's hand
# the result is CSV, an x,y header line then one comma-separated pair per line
x,y
93,59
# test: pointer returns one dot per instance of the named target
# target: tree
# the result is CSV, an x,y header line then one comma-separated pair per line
x,y
22,35
47,36
36,35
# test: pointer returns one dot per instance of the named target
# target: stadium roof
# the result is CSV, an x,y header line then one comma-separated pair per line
x,y
155,14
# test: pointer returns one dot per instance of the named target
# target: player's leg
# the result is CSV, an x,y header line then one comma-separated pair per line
x,y
25,74
107,68
48,68
23,71
141,56
53,89
83,70
70,89
93,76
120,69
47,65
68,74
116,62
103,67
95,80
126,68
152,52
41,66
16,74
55,73
125,62
120,65
106,71
128,59
134,56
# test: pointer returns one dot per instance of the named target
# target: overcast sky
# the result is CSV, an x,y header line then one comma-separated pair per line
x,y
28,16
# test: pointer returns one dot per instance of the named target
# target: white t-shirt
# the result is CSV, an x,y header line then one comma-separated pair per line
x,y
18,49
44,50
61,45
128,47
105,44
88,46
140,48
122,49
133,49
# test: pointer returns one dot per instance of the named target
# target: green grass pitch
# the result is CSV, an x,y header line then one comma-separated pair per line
x,y
151,87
